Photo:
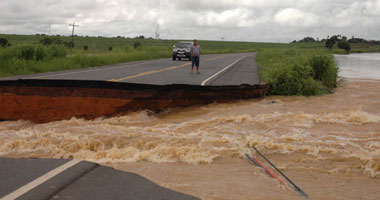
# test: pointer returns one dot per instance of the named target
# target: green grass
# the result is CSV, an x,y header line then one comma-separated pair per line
x,y
293,69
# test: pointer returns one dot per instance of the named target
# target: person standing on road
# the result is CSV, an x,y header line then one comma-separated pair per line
x,y
195,55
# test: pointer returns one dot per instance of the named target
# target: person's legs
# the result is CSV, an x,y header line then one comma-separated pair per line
x,y
193,61
197,63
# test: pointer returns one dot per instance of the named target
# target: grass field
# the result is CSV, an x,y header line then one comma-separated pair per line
x,y
289,67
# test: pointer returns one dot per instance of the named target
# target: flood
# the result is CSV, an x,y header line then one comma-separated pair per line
x,y
328,145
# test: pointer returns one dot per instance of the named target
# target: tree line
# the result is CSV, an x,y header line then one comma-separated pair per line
x,y
342,42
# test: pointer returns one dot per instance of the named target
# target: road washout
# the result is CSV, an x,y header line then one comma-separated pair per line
x,y
329,145
333,136
44,101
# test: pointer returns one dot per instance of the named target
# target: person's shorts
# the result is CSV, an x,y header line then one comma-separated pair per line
x,y
195,61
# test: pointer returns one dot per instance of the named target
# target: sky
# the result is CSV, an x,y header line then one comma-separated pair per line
x,y
234,20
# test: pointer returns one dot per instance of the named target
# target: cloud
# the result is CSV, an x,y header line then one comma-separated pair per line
x,y
259,20
295,17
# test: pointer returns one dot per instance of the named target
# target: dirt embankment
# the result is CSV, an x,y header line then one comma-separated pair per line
x,y
51,100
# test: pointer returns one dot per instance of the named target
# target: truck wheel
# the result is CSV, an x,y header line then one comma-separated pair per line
x,y
179,58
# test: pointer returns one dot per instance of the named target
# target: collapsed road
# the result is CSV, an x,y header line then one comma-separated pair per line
x,y
110,91
119,89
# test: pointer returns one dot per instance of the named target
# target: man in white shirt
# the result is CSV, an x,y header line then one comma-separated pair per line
x,y
195,55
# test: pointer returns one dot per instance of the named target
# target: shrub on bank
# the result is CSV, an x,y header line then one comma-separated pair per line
x,y
324,70
294,80
298,71
57,51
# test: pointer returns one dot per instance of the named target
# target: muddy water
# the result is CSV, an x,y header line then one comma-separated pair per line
x,y
329,145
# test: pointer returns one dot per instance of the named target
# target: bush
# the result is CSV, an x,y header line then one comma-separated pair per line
x,y
324,70
294,80
69,44
3,42
126,48
40,53
26,52
344,45
56,51
330,43
109,48
137,45
85,47
49,41
298,71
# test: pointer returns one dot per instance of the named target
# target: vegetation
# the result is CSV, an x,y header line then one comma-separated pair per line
x,y
344,45
330,43
298,71
4,42
305,67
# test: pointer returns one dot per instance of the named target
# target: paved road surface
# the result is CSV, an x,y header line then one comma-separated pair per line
x,y
39,179
224,69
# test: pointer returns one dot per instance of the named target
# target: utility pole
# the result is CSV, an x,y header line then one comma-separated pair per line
x,y
157,32
72,36
222,38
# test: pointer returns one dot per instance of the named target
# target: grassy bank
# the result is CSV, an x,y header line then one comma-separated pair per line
x,y
298,71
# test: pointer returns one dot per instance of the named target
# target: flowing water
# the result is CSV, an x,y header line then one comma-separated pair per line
x,y
329,145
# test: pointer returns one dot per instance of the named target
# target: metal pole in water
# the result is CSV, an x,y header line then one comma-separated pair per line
x,y
296,188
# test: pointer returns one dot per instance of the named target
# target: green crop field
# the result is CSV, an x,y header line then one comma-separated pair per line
x,y
291,68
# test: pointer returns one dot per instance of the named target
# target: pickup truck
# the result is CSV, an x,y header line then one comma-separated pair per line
x,y
182,50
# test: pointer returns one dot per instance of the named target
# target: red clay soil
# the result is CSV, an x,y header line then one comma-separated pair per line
x,y
44,101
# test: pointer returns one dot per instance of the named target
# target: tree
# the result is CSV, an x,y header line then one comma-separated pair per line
x,y
308,39
69,44
49,41
330,43
137,45
3,42
344,45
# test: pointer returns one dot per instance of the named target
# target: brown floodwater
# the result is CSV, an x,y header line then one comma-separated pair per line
x,y
329,145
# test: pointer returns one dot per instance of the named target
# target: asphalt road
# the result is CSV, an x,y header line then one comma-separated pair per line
x,y
222,69
40,179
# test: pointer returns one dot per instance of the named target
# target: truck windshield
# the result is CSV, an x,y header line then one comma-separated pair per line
x,y
184,45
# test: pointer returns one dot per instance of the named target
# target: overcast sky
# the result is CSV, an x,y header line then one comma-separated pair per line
x,y
243,20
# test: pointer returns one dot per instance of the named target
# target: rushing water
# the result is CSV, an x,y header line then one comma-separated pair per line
x,y
329,144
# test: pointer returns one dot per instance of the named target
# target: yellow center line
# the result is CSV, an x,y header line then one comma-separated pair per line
x,y
210,59
149,72
157,71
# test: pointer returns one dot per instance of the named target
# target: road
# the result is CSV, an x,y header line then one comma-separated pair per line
x,y
222,69
39,179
